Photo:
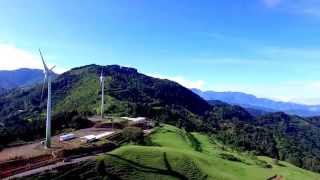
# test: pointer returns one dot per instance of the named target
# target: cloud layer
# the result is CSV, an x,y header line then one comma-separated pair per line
x,y
199,84
12,58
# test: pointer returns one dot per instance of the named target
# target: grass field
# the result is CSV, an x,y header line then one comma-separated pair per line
x,y
210,162
175,154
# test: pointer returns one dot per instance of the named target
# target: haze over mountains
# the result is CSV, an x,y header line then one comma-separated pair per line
x,y
19,78
263,105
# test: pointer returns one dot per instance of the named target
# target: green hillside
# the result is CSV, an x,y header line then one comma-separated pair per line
x,y
76,96
175,154
209,158
77,92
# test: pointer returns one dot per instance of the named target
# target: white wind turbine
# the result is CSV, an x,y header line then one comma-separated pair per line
x,y
102,78
47,77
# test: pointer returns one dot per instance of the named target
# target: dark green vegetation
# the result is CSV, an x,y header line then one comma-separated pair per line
x,y
172,155
129,93
133,134
77,93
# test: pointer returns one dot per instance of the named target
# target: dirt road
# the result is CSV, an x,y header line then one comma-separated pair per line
x,y
50,167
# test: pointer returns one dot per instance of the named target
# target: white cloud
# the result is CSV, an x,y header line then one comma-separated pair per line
x,y
188,83
12,58
199,84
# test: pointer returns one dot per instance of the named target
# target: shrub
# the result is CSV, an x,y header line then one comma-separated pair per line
x,y
230,157
133,134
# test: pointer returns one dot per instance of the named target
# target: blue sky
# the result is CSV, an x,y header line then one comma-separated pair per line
x,y
269,48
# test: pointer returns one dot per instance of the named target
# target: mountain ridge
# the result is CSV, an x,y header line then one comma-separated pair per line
x,y
10,79
267,105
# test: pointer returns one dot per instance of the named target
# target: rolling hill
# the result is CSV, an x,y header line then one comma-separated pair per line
x,y
130,93
173,153
252,102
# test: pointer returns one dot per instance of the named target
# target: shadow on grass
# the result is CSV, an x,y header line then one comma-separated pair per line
x,y
195,143
281,165
148,142
147,169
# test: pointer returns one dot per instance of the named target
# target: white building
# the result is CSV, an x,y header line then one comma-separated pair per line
x,y
99,136
138,119
67,137
89,138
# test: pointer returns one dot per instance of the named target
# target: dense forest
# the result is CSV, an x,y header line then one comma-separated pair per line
x,y
76,95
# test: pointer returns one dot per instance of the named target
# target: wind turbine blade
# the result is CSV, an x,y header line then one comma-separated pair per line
x,y
44,64
52,68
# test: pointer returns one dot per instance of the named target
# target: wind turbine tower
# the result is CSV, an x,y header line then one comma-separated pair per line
x,y
47,77
102,78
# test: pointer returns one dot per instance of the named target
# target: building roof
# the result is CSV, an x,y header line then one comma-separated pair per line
x,y
89,137
135,119
67,135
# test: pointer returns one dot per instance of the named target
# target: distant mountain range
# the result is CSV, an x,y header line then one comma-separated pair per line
x,y
19,78
259,105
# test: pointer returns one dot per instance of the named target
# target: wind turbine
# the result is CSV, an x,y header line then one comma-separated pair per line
x,y
102,78
47,77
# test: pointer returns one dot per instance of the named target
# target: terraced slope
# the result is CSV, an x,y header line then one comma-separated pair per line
x,y
175,154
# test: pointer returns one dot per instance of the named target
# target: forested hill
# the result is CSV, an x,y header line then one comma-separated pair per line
x,y
125,85
130,93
